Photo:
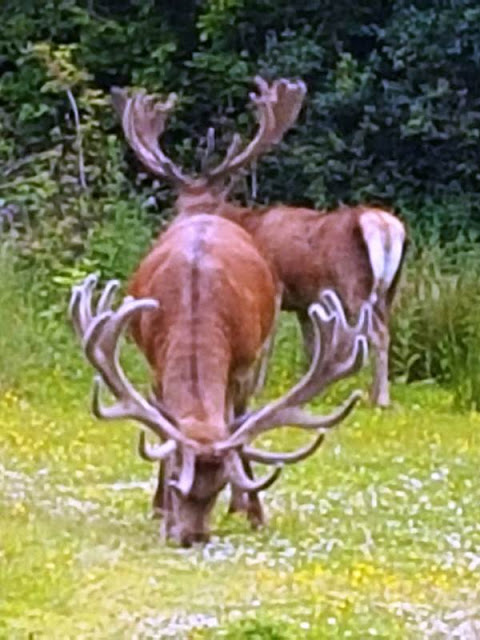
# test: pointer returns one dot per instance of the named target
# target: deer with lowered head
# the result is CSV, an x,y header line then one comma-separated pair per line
x,y
201,305
201,326
356,251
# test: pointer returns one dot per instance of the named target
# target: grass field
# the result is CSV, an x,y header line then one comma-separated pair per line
x,y
377,535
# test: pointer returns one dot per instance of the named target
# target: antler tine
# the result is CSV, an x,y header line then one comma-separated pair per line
x,y
232,150
187,474
143,119
286,107
106,298
297,418
277,109
339,351
155,453
101,345
262,86
234,159
100,336
269,457
332,302
209,148
240,480
80,306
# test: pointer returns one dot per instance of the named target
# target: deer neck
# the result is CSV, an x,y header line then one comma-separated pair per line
x,y
194,383
207,201
198,200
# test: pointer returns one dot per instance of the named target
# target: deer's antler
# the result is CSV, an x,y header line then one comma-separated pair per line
x,y
277,106
144,117
99,332
143,120
340,350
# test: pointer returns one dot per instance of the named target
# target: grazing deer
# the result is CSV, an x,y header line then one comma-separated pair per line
x,y
357,251
205,305
201,307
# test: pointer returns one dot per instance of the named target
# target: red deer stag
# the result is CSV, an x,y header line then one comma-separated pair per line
x,y
201,306
205,306
356,251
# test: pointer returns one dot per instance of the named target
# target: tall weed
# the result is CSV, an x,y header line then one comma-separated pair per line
x,y
436,327
35,334
22,342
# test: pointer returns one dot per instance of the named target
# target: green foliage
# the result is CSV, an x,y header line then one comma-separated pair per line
x,y
436,329
116,245
392,110
30,342
218,17
389,117
60,67
258,629
65,179
380,538
376,536
17,320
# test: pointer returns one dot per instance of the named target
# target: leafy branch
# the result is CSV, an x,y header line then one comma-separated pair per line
x,y
64,75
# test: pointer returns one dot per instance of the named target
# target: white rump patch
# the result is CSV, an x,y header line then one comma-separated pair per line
x,y
384,236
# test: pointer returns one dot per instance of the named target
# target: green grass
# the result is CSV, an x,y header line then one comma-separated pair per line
x,y
435,324
377,535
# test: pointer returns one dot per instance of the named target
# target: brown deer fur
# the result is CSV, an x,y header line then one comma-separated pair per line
x,y
357,252
202,306
313,250
216,297
215,294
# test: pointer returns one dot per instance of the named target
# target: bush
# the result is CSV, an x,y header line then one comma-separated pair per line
x,y
392,115
392,111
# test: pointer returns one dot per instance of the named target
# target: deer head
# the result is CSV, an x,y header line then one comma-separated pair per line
x,y
144,117
196,470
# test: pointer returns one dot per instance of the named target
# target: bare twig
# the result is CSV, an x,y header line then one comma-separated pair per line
x,y
253,182
81,164
210,148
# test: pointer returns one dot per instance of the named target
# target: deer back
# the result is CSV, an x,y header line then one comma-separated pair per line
x,y
354,250
216,307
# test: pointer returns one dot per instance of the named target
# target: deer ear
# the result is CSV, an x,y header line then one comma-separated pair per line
x,y
119,99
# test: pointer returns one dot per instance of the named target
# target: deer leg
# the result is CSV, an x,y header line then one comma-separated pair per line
x,y
262,365
158,503
255,513
241,502
307,334
380,340
238,501
253,384
248,503
267,350
164,494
